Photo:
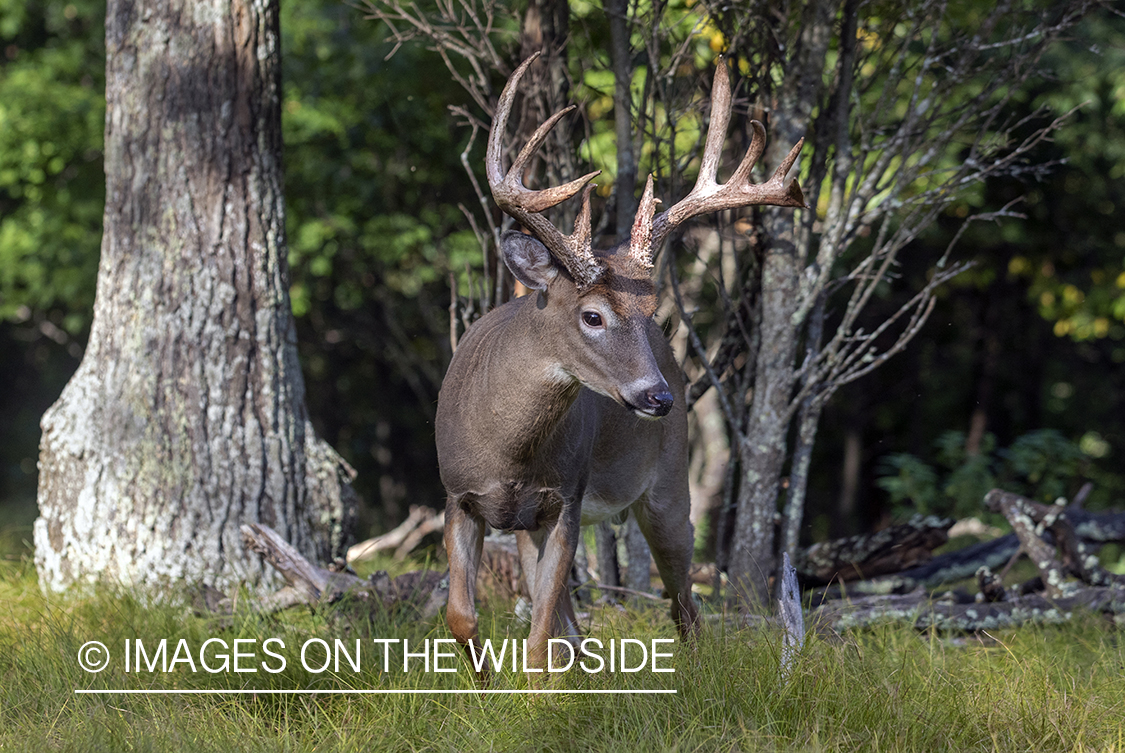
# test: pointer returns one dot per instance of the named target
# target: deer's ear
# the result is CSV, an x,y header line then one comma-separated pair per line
x,y
529,260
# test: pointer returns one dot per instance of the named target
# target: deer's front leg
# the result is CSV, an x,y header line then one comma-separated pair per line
x,y
550,601
464,538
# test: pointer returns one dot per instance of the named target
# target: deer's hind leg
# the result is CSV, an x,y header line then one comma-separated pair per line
x,y
663,517
566,622
546,557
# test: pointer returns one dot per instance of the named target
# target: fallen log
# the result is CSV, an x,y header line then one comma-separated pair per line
x,y
1031,520
925,613
1102,527
944,568
1012,507
1070,577
311,585
890,550
1089,527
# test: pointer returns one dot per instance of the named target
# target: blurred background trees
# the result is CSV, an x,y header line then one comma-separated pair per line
x,y
1018,374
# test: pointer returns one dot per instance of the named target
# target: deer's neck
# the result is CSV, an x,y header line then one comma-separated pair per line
x,y
511,394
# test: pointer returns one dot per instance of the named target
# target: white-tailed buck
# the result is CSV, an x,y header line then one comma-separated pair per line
x,y
566,407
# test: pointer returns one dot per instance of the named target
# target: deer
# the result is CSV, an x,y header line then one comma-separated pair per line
x,y
566,406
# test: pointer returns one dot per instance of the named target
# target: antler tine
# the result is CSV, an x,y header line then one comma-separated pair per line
x,y
709,195
640,239
753,154
581,234
717,130
524,204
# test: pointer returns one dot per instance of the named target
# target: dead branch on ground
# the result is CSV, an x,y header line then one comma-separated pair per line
x,y
311,585
404,538
1059,540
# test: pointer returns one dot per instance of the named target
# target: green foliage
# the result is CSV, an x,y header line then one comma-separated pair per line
x,y
52,114
372,187
1043,689
672,125
1077,279
372,172
1043,465
910,480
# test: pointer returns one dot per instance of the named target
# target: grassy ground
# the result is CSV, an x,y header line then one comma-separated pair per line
x,y
1041,689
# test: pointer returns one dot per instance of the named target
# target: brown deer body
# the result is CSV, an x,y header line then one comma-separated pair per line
x,y
566,407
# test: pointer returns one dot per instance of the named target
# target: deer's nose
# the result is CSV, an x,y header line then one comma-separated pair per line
x,y
659,401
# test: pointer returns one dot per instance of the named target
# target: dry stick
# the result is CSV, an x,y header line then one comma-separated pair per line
x,y
1064,523
393,538
1004,571
622,589
312,585
792,617
991,585
304,576
918,609
1083,493
431,525
452,313
1076,559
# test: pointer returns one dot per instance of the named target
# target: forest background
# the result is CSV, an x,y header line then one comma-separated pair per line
x,y
1017,379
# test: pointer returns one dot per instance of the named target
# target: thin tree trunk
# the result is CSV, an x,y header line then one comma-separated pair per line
x,y
807,424
620,53
605,542
545,27
762,449
799,477
849,480
638,576
186,418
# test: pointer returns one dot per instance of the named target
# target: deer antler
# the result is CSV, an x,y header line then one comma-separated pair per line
x,y
709,195
523,204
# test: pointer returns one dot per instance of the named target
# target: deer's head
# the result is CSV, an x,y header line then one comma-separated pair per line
x,y
598,305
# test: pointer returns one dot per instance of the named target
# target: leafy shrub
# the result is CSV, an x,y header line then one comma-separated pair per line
x,y
1041,464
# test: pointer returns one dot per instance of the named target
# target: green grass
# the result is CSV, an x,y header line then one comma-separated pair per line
x,y
1042,689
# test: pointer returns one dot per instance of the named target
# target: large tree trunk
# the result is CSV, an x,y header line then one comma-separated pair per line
x,y
186,418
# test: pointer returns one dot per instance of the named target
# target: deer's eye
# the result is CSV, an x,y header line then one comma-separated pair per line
x,y
591,318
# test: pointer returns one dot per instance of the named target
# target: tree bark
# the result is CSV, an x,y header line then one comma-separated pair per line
x,y
763,448
924,613
621,57
545,27
186,418
891,550
637,577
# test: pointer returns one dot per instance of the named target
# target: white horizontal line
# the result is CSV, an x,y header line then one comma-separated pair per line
x,y
486,691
